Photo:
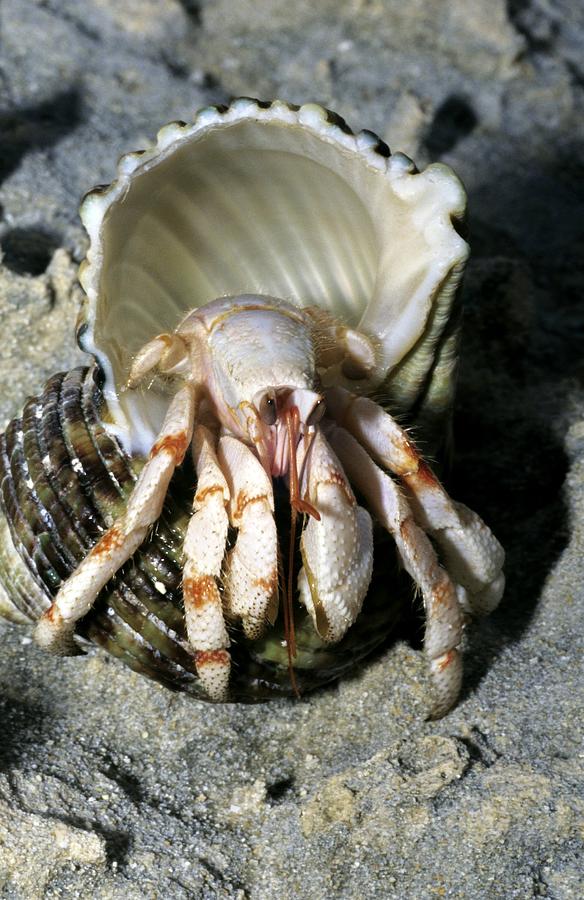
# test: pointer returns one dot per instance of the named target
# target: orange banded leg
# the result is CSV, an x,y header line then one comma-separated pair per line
x,y
471,552
55,628
204,549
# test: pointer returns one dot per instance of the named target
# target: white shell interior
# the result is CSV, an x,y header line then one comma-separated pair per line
x,y
276,202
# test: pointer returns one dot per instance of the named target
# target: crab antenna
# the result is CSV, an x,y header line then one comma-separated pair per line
x,y
296,501
296,505
292,431
289,632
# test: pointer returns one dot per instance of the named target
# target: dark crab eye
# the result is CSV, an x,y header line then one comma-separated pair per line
x,y
267,410
317,413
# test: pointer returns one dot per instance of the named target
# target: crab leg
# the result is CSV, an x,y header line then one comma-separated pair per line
x,y
204,549
337,549
54,630
341,351
471,553
443,616
166,351
251,578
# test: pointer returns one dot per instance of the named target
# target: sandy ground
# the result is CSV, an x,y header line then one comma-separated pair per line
x,y
112,787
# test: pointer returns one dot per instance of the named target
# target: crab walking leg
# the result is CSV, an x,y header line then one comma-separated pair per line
x,y
341,350
337,550
251,578
471,552
443,616
204,549
54,630
167,351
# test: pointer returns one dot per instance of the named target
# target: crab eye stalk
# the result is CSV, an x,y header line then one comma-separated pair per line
x,y
316,414
268,410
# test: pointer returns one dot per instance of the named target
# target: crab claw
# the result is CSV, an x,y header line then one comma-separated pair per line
x,y
337,549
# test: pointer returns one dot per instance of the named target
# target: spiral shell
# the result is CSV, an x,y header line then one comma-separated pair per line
x,y
265,198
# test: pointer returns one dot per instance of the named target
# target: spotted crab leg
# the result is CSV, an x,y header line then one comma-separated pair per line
x,y
251,577
472,554
204,549
444,623
55,628
337,549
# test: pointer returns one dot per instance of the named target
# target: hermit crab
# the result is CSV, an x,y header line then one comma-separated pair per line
x,y
226,497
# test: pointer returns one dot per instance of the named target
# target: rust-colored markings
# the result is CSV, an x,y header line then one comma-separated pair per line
x,y
244,500
442,593
176,444
425,473
113,539
53,615
201,496
211,657
198,592
408,462
337,478
407,532
446,660
266,584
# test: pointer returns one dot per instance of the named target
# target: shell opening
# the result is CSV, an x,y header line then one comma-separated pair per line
x,y
277,202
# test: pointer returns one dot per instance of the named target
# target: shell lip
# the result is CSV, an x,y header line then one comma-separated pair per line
x,y
310,115
325,123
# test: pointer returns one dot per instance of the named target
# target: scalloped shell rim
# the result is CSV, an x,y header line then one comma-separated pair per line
x,y
328,125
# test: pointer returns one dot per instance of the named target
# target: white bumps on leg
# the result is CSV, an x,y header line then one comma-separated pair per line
x,y
204,548
472,555
337,551
251,577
